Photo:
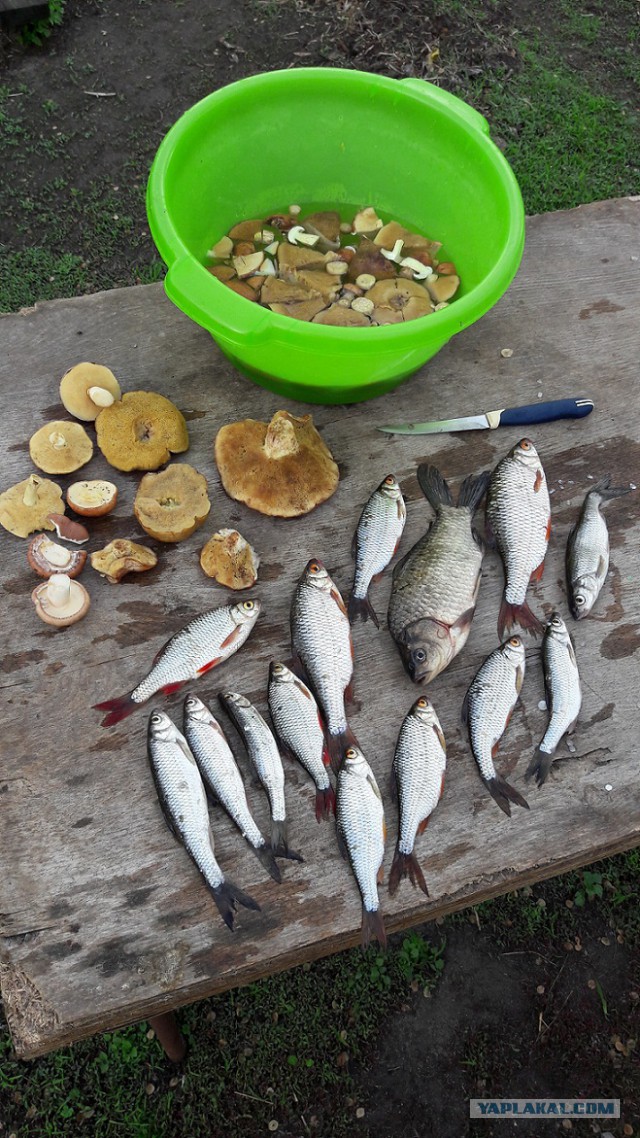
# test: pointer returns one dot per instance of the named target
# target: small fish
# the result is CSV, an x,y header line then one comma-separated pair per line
x,y
562,685
264,754
296,718
587,559
361,833
322,646
519,517
486,711
201,645
184,802
221,774
375,542
435,586
418,778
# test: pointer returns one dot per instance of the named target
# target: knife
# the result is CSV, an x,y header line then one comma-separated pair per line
x,y
506,417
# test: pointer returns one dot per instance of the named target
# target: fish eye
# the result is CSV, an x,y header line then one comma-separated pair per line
x,y
156,717
389,480
579,599
525,445
515,642
419,655
350,753
422,703
248,606
314,567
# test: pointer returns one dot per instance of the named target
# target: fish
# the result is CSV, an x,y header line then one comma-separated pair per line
x,y
323,650
519,518
418,771
587,556
435,586
300,732
201,645
263,751
217,765
184,803
564,697
375,543
361,833
486,711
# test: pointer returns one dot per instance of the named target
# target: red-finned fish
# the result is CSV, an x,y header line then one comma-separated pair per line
x,y
564,698
184,803
201,645
519,517
322,646
375,542
296,719
361,832
486,711
587,558
418,770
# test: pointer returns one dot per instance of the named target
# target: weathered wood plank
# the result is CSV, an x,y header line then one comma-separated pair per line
x,y
104,920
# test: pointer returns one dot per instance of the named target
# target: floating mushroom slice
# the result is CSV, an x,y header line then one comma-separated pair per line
x,y
369,260
367,221
223,272
172,504
47,557
120,557
245,230
141,432
318,282
230,560
60,601
282,468
92,498
86,388
222,248
325,223
60,447
298,257
289,298
247,265
389,234
399,300
25,507
340,316
442,288
363,304
447,269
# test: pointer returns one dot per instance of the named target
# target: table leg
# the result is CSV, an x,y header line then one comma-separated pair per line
x,y
169,1036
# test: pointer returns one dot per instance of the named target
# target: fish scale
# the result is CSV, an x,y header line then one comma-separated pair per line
x,y
564,697
376,540
419,765
587,556
296,719
361,831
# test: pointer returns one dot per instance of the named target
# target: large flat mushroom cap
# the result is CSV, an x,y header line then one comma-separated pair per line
x,y
60,447
172,504
141,431
25,507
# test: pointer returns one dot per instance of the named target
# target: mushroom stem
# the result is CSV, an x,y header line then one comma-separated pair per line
x,y
100,396
57,440
30,496
280,439
59,589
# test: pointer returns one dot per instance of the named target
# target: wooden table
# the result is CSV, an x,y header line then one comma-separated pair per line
x,y
104,919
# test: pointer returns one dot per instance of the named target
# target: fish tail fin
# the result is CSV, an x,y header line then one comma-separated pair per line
x,y
512,615
117,709
361,608
337,745
373,928
406,865
280,842
473,490
503,794
325,803
433,486
607,491
265,856
227,898
539,766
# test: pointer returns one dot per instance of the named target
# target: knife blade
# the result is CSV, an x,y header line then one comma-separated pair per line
x,y
505,417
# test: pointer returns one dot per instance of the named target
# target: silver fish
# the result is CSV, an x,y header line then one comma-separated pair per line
x,y
486,711
264,754
418,769
519,517
435,586
296,718
184,802
361,833
201,645
221,774
321,641
564,698
587,558
375,542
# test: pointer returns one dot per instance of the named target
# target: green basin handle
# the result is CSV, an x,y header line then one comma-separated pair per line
x,y
450,102
202,297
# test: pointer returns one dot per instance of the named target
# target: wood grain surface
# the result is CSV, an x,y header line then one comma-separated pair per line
x,y
104,920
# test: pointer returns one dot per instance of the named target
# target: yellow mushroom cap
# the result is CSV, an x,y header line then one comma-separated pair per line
x,y
25,507
141,432
60,447
172,504
86,389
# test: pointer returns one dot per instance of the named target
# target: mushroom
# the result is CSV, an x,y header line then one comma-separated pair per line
x,y
67,529
341,316
26,506
298,257
93,498
172,504
230,560
141,432
245,230
325,224
60,601
47,557
248,264
366,221
291,299
120,557
222,272
282,468
60,447
369,260
242,289
398,300
319,283
442,288
86,388
222,248
298,236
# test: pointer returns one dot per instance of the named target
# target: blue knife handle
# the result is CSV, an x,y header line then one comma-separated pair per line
x,y
546,412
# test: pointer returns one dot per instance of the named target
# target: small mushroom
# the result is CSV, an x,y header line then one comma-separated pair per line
x,y
394,254
141,432
222,248
47,557
399,300
172,504
342,316
442,288
120,557
420,271
60,447
26,506
298,236
92,498
363,304
67,529
60,601
325,224
367,221
86,388
230,560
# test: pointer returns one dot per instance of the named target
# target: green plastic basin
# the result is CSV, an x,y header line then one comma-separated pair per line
x,y
326,135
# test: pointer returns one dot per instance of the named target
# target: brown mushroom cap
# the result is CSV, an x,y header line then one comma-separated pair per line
x,y
369,260
120,557
172,504
291,298
92,498
442,288
282,468
341,317
141,432
230,560
60,613
60,447
399,300
47,557
26,506
76,384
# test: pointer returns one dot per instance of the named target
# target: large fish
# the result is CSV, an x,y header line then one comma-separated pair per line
x,y
376,539
201,645
361,832
184,803
322,646
296,719
418,770
435,586
519,517
486,711
587,558
218,767
564,698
